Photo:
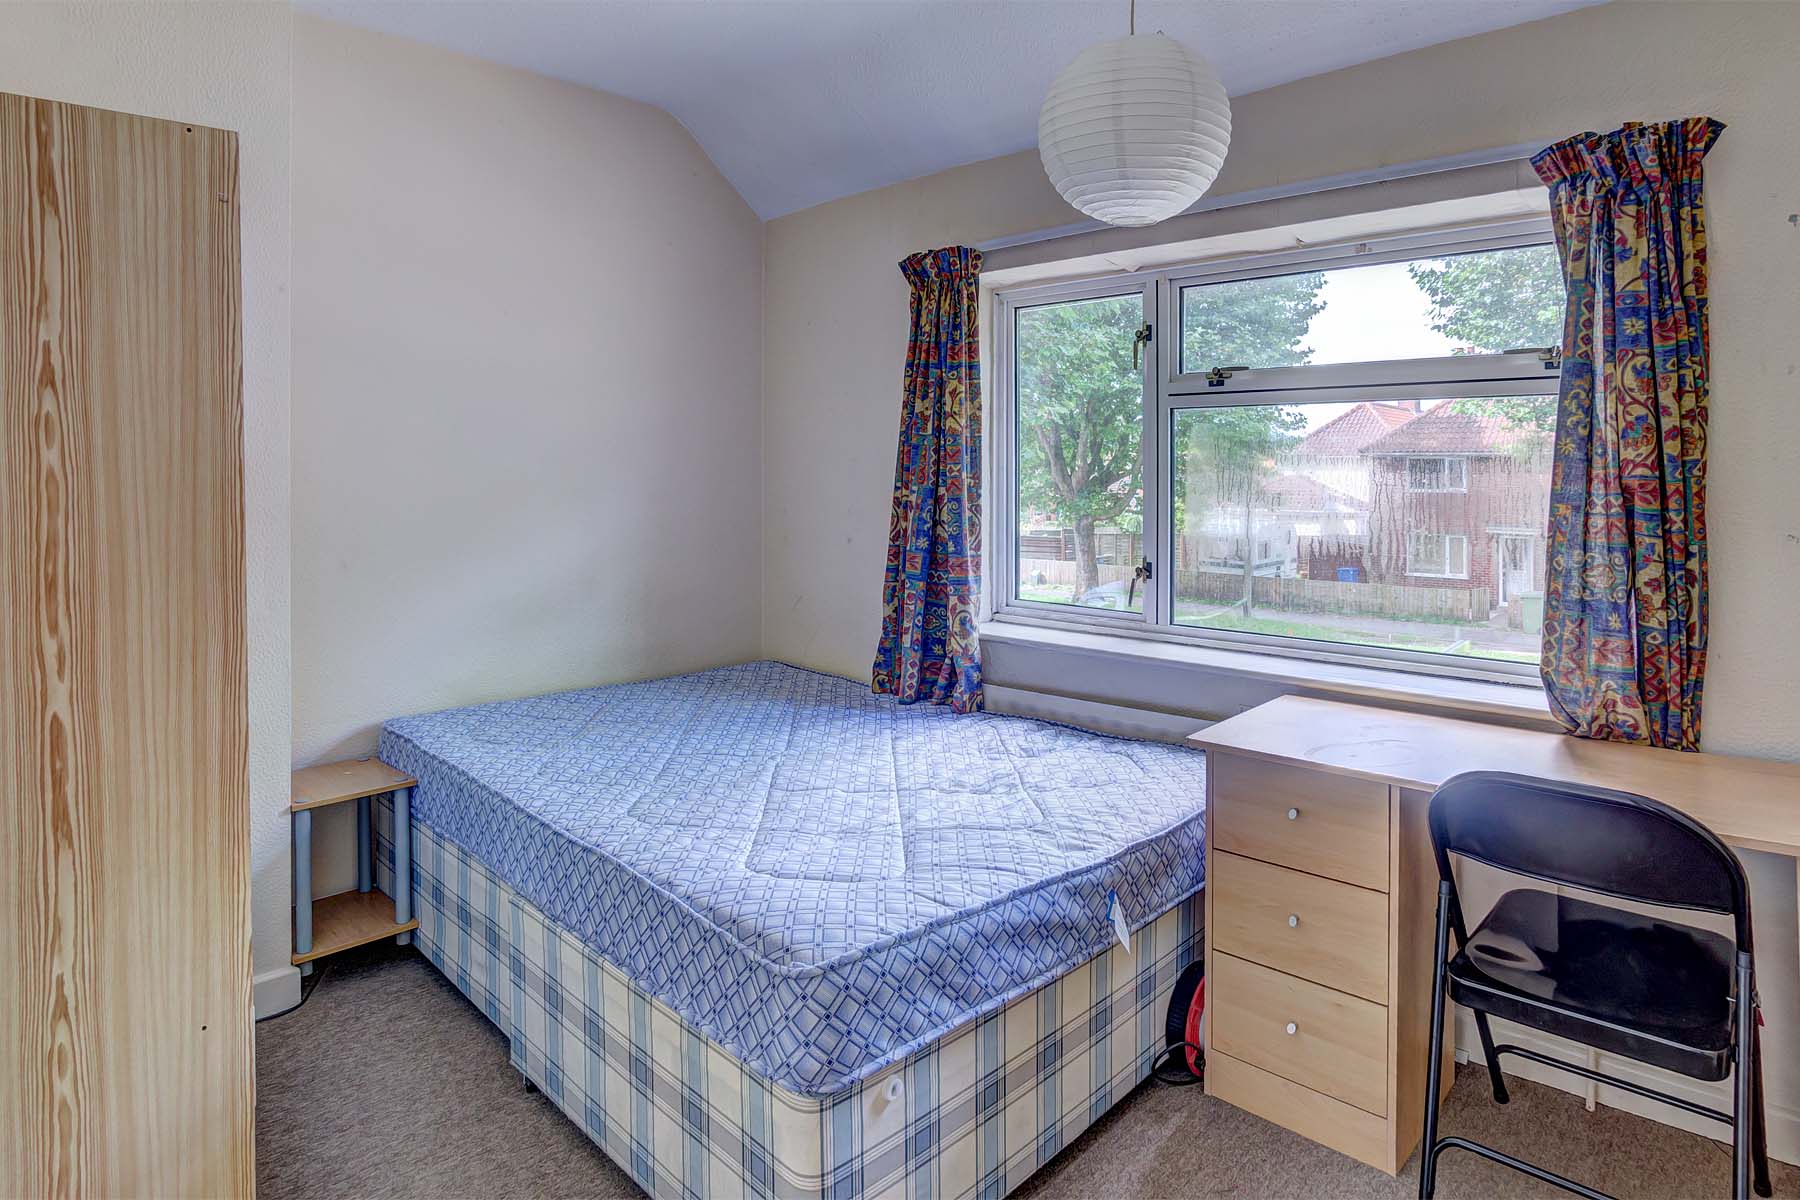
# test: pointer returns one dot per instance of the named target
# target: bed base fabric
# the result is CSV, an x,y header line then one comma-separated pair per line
x,y
971,1115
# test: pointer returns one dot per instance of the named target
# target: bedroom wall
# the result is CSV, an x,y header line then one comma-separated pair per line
x,y
527,337
836,313
224,65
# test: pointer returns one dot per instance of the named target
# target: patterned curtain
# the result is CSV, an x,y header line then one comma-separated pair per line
x,y
928,649
1625,609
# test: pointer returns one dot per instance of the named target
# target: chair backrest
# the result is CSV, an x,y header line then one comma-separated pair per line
x,y
1615,843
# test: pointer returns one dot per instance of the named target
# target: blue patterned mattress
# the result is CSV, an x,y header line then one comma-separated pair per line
x,y
820,879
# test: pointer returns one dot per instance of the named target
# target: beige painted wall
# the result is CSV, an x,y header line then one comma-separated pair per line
x,y
836,316
527,337
224,65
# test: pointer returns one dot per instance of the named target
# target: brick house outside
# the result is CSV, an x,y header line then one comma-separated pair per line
x,y
1459,499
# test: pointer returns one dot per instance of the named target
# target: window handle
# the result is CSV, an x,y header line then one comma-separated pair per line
x,y
1139,340
1143,572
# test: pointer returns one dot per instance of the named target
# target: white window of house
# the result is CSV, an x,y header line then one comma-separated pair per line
x,y
1437,474
1168,442
1438,555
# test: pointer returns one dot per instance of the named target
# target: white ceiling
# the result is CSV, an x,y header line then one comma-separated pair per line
x,y
803,101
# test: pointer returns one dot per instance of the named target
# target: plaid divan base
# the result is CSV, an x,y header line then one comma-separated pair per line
x,y
971,1115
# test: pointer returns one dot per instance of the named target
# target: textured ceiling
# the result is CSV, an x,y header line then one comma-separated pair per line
x,y
803,101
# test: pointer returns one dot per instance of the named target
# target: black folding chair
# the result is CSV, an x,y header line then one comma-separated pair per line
x,y
1646,989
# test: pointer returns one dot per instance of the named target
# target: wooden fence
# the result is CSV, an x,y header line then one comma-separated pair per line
x,y
1060,572
1455,605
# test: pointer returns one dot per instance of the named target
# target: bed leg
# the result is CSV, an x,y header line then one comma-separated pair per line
x,y
403,862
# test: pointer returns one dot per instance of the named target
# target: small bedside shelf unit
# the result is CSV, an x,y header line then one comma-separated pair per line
x,y
352,918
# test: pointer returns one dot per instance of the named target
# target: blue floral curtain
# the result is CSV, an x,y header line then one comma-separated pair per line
x,y
928,649
1624,650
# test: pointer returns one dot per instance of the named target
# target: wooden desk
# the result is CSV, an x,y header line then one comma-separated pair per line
x,y
1321,891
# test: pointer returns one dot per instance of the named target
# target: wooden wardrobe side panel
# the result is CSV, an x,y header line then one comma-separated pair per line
x,y
125,1008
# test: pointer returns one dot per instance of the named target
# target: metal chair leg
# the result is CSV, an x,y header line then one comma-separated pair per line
x,y
1428,1145
1759,1129
1493,1058
1741,1080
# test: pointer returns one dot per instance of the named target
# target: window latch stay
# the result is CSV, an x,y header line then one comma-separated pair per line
x,y
1218,375
1550,356
1144,571
1139,340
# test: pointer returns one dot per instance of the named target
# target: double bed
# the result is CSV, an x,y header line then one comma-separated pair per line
x,y
761,932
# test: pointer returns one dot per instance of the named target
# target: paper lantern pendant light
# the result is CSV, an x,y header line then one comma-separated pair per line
x,y
1135,130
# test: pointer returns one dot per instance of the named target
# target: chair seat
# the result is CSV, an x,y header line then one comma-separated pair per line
x,y
1620,981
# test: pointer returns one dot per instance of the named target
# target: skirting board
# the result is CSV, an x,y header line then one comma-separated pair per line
x,y
1117,719
276,991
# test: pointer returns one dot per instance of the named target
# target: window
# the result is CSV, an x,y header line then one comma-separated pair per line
x,y
1438,555
1079,431
1344,452
1437,474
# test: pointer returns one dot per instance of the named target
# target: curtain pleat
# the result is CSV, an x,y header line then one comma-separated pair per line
x,y
928,649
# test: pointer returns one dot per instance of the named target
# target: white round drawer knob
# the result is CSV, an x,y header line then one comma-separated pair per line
x,y
1293,920
894,1089
1293,814
1292,1028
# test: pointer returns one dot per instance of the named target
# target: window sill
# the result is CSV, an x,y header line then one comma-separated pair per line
x,y
1513,703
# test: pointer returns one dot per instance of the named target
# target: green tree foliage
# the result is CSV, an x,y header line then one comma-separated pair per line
x,y
1249,323
1080,398
1494,302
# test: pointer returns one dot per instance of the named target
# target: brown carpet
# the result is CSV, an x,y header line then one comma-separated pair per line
x,y
388,1083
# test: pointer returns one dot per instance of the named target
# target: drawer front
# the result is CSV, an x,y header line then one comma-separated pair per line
x,y
1338,1043
1344,1127
1319,929
1322,824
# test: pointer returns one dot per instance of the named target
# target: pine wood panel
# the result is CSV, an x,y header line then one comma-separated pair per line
x,y
351,919
1338,1045
1339,828
1344,1127
125,1007
1413,934
334,783
1338,935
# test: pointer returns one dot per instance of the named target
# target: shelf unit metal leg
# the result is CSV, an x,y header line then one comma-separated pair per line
x,y
403,861
365,858
303,887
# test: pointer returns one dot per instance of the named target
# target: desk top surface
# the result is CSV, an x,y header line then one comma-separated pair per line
x,y
1749,802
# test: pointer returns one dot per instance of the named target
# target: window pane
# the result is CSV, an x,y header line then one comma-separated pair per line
x,y
1080,469
1480,303
1301,521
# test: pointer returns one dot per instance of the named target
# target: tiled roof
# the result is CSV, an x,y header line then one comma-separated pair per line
x,y
1349,432
1302,493
1446,430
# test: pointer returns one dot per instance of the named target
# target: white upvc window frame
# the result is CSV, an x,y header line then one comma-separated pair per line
x,y
1168,391
1445,561
1445,461
1006,444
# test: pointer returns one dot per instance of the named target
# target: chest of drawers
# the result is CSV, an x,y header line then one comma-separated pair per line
x,y
1319,912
